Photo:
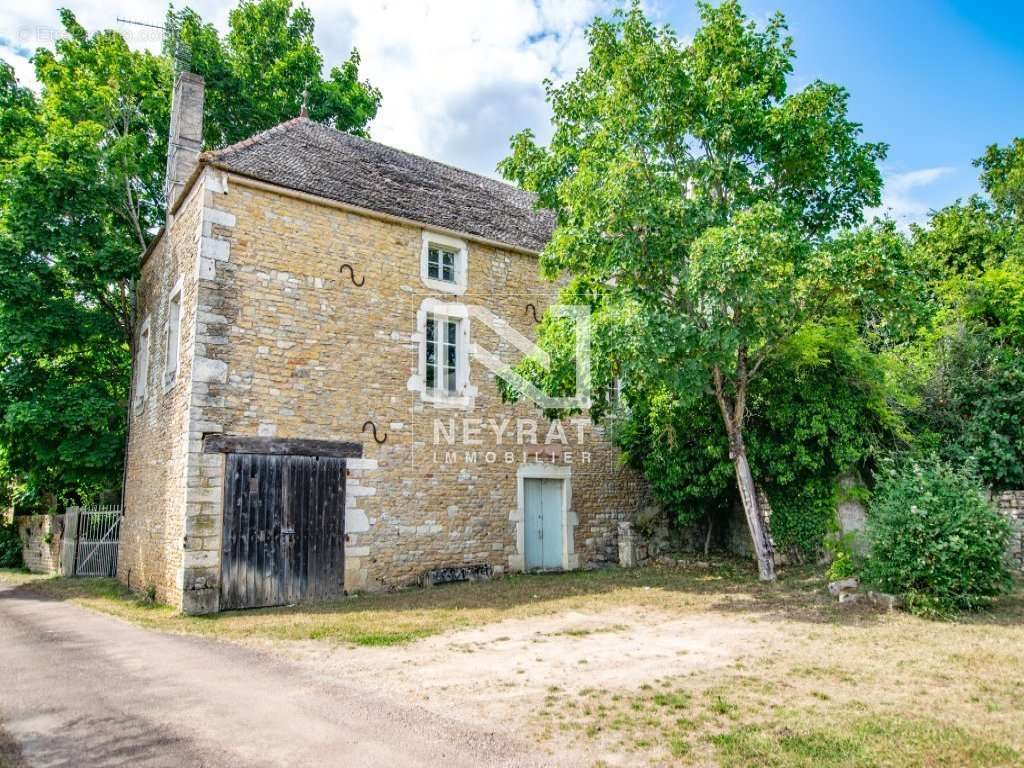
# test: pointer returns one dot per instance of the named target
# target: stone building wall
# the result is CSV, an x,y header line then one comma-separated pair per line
x,y
310,354
40,537
286,345
151,552
1011,504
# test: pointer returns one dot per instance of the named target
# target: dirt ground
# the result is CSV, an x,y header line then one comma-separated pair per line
x,y
502,672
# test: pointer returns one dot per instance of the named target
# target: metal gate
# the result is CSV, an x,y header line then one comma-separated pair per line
x,y
90,541
284,529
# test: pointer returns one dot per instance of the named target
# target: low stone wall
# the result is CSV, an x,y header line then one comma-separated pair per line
x,y
1011,504
40,539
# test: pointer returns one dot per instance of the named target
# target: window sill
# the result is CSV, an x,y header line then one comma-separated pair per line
x,y
449,400
444,286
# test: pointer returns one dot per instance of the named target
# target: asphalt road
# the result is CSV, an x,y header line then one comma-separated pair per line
x,y
82,689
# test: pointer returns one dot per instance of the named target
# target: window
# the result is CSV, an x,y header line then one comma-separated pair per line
x,y
173,336
142,365
443,263
442,373
442,355
440,263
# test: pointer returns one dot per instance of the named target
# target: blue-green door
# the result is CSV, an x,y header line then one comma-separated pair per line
x,y
542,508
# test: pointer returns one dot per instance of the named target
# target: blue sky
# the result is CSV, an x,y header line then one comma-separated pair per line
x,y
938,80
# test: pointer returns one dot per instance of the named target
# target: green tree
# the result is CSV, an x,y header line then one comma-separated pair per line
x,y
257,73
81,196
695,198
969,365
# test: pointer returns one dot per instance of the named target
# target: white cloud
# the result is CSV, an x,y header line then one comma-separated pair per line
x,y
901,199
458,78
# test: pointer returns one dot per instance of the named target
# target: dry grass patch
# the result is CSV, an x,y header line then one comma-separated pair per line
x,y
866,689
387,619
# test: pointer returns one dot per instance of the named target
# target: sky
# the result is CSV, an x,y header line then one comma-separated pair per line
x,y
938,80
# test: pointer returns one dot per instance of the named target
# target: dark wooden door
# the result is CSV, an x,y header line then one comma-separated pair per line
x,y
284,530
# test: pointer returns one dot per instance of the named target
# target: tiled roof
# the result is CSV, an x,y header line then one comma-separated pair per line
x,y
313,158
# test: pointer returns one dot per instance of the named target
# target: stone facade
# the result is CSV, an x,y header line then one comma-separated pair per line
x,y
40,541
1011,504
278,341
152,533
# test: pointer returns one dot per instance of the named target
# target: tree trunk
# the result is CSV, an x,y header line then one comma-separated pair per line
x,y
707,538
733,411
755,519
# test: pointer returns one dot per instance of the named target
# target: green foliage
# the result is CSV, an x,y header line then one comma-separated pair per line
x,y
10,546
972,404
967,369
81,182
1002,176
256,74
697,201
821,407
935,539
81,195
844,560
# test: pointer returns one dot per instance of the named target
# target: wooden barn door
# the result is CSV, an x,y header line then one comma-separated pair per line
x,y
284,530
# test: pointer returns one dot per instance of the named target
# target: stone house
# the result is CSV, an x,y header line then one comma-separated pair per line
x,y
314,404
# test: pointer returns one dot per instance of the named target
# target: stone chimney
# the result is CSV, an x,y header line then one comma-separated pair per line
x,y
186,139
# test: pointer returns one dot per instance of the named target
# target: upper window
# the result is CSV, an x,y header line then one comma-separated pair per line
x,y
440,263
142,365
443,263
173,336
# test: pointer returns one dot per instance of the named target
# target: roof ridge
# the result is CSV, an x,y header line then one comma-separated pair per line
x,y
301,120
255,138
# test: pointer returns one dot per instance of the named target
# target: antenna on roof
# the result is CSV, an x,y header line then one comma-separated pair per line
x,y
180,52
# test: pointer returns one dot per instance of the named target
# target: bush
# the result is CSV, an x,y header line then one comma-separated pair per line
x,y
10,546
935,540
844,564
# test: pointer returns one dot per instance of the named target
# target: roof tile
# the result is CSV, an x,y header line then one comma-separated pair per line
x,y
310,157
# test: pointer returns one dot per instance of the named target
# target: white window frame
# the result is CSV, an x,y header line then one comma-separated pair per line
x,y
142,364
172,363
464,393
458,247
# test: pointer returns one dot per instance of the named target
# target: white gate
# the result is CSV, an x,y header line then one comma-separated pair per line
x,y
91,535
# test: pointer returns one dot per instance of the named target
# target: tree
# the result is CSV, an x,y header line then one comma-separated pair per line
x,y
968,366
257,75
81,196
79,201
695,200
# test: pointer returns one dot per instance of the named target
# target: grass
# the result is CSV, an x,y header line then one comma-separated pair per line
x,y
853,689
390,619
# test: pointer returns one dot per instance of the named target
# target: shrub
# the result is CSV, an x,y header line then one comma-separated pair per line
x,y
843,564
935,540
10,546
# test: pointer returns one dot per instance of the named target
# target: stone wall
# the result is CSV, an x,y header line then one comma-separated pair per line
x,y
40,538
151,550
1011,504
287,345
